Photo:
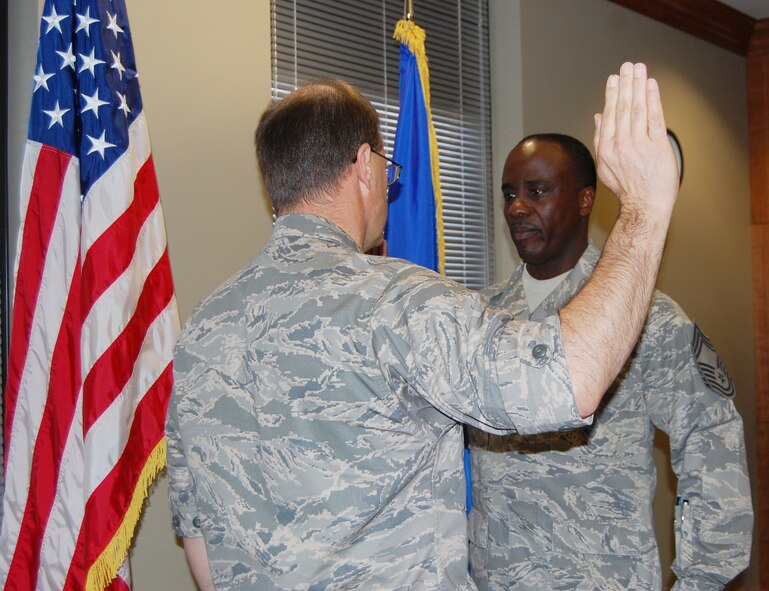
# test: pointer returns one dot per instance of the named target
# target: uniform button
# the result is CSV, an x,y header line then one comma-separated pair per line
x,y
539,351
176,521
196,522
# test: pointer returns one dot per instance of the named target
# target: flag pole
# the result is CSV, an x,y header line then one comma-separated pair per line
x,y
408,10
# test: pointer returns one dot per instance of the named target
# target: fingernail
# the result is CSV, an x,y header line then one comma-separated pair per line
x,y
626,69
639,70
612,81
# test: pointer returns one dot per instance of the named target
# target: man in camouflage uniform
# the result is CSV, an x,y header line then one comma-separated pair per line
x,y
314,437
574,510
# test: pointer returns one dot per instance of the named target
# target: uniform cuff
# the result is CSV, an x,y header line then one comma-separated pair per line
x,y
533,377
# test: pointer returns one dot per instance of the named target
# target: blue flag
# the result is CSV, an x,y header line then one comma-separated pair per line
x,y
415,219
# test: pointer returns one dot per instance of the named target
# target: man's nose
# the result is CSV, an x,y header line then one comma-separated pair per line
x,y
517,208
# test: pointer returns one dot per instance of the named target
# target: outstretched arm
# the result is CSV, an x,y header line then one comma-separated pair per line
x,y
601,324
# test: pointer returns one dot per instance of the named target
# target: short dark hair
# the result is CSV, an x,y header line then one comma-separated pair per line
x,y
582,164
306,141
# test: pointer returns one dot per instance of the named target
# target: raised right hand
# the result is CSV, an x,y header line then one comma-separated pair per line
x,y
633,154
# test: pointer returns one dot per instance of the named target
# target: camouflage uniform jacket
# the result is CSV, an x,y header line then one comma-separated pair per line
x,y
313,433
574,510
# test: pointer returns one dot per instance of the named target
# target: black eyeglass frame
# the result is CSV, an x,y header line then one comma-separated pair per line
x,y
391,165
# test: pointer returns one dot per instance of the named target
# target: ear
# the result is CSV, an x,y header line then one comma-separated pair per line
x,y
362,165
586,201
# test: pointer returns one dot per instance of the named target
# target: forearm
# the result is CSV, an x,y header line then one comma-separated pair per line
x,y
636,162
714,517
197,558
602,323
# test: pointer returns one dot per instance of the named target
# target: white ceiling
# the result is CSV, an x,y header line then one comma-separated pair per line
x,y
756,8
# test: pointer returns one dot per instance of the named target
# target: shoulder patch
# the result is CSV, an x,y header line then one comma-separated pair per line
x,y
712,369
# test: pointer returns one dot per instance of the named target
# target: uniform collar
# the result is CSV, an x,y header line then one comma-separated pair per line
x,y
560,295
315,226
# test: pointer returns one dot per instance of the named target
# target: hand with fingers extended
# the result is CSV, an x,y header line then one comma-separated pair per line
x,y
633,154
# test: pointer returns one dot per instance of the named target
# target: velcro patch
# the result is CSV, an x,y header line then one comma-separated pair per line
x,y
712,369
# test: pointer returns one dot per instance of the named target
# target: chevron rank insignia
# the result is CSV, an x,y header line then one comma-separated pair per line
x,y
712,369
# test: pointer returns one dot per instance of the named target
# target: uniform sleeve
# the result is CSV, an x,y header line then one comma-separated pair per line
x,y
184,511
689,394
472,362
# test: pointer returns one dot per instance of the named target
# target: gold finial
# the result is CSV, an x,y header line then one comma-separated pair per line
x,y
408,10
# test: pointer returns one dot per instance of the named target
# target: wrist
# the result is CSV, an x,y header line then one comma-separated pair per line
x,y
640,221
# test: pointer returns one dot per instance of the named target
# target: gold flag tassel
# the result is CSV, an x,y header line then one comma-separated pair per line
x,y
413,36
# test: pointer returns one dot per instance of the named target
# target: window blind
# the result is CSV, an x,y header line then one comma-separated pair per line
x,y
352,40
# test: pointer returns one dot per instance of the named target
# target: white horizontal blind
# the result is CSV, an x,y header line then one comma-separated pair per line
x,y
352,40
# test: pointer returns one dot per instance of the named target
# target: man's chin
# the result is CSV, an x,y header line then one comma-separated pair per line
x,y
525,243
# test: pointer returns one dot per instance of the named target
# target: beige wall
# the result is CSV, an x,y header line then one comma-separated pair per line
x,y
205,79
567,48
205,76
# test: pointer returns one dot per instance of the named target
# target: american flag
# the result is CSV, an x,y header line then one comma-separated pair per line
x,y
94,314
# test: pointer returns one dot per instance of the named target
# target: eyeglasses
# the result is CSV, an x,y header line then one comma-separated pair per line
x,y
393,169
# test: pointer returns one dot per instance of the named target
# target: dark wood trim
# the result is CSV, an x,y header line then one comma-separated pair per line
x,y
758,122
758,137
761,334
709,20
759,43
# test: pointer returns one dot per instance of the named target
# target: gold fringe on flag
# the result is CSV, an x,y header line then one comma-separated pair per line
x,y
413,37
106,566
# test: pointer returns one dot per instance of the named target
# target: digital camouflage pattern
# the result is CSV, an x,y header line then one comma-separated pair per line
x,y
313,435
574,510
